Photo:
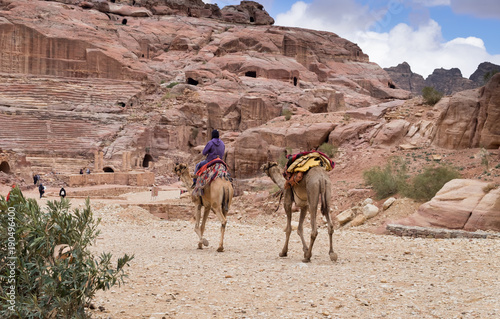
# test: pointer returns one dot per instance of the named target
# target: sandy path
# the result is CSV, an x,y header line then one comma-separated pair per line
x,y
375,277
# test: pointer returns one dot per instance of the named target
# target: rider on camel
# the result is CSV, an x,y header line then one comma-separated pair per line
x,y
215,148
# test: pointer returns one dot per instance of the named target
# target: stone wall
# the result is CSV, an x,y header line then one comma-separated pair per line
x,y
129,178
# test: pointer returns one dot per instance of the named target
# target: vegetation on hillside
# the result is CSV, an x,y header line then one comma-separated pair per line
x,y
394,179
431,95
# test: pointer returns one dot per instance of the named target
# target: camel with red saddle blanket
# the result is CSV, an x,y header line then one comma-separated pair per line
x,y
307,183
213,191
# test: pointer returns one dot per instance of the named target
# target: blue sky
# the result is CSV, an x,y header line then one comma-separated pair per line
x,y
428,34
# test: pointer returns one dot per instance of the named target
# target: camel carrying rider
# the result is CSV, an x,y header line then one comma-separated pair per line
x,y
215,148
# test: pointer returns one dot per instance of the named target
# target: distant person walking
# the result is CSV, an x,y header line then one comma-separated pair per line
x,y
41,190
81,171
62,192
36,178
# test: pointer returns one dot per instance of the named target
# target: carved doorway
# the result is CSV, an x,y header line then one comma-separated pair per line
x,y
5,167
147,159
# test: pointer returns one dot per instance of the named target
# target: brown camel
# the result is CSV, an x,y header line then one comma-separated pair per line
x,y
217,196
314,186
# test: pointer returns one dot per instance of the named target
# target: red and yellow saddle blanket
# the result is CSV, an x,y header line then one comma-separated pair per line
x,y
300,163
208,172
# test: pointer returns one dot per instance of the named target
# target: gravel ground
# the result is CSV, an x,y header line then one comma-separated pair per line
x,y
376,276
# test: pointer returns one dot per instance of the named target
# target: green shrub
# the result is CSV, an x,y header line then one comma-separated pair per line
x,y
172,84
431,95
287,113
389,180
424,186
328,149
45,287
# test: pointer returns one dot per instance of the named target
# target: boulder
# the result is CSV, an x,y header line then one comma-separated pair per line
x,y
347,132
388,203
460,204
370,211
345,216
390,133
486,215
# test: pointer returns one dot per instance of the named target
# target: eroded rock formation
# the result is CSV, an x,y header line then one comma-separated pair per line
x,y
152,78
460,204
470,118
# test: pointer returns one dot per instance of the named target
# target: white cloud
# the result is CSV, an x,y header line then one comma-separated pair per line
x,y
423,47
341,17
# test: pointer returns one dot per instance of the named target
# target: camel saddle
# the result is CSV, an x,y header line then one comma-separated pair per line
x,y
212,170
300,163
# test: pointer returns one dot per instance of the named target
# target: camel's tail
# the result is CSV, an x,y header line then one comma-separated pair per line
x,y
225,200
325,200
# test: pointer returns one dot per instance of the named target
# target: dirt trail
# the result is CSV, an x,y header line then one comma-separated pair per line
x,y
376,276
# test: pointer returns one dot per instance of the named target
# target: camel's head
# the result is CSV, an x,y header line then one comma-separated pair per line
x,y
267,166
179,169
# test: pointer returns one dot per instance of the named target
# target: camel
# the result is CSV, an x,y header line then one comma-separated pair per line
x,y
217,197
314,186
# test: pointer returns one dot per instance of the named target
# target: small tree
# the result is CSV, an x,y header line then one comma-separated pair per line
x,y
43,286
431,95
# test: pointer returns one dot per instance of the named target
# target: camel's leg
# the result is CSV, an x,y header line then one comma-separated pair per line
x,y
223,220
333,255
197,229
300,228
288,209
203,241
313,207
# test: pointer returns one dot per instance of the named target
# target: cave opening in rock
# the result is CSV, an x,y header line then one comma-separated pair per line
x,y
124,21
147,159
108,169
5,167
391,85
252,20
251,74
192,81
122,104
295,81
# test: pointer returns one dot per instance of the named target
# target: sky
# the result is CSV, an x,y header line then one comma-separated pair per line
x,y
428,34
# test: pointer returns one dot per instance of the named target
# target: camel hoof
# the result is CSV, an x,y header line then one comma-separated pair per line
x,y
205,242
283,254
200,246
306,260
220,249
333,256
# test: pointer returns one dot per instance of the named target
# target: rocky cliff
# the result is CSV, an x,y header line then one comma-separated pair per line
x,y
154,78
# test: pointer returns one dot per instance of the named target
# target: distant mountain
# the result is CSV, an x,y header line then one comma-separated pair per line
x,y
482,70
445,81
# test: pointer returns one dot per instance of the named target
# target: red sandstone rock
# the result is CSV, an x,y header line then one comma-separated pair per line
x,y
470,118
460,204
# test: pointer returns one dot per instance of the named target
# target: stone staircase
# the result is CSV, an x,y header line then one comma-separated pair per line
x,y
58,165
60,115
66,93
